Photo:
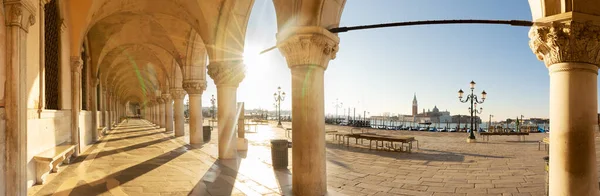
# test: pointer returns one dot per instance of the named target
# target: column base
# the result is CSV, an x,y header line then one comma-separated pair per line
x,y
469,140
279,126
242,144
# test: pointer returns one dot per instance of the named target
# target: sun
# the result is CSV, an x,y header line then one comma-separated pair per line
x,y
254,61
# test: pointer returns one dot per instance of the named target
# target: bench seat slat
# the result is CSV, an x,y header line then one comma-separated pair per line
x,y
54,153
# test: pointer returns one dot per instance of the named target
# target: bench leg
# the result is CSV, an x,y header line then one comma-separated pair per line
x,y
67,159
41,171
54,165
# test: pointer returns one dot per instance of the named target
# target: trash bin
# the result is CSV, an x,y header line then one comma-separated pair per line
x,y
547,169
206,133
279,154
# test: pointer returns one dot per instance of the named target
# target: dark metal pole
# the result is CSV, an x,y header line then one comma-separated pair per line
x,y
431,22
425,22
472,135
279,108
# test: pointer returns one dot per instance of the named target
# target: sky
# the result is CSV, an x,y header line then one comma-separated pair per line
x,y
380,70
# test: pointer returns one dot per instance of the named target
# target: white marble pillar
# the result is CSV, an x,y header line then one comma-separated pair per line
x,y
227,76
156,113
103,106
94,109
19,16
109,104
178,95
168,112
194,89
308,51
570,51
76,65
161,113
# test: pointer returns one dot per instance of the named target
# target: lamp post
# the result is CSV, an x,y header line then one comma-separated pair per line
x,y
213,101
490,124
337,105
520,124
475,112
279,97
473,99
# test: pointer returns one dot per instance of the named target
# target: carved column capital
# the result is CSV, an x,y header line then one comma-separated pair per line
x,y
194,86
21,13
166,97
76,64
569,41
308,46
229,73
178,93
160,100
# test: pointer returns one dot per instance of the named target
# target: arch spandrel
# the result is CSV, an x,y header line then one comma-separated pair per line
x,y
297,13
195,62
177,76
231,31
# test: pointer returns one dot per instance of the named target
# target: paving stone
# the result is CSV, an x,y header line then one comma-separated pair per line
x,y
151,162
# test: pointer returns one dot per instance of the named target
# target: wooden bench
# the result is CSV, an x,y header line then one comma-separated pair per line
x,y
332,133
48,161
486,135
402,140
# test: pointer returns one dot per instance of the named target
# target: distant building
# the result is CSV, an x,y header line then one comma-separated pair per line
x,y
431,116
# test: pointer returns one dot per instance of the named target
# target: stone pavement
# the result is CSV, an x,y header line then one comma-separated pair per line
x,y
136,159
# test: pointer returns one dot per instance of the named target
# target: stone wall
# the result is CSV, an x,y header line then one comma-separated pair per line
x,y
85,128
49,130
2,148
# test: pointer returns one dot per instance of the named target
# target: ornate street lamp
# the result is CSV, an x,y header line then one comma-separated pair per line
x,y
279,97
475,112
337,105
213,101
473,99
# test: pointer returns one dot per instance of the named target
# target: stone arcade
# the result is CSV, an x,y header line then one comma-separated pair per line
x,y
70,68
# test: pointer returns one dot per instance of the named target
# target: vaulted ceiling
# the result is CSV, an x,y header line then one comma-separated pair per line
x,y
137,45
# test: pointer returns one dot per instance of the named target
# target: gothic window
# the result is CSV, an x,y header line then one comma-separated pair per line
x,y
84,95
52,55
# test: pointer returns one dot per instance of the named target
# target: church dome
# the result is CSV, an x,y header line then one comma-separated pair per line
x,y
435,109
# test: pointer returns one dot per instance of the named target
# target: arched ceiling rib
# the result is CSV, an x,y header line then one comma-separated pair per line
x,y
138,45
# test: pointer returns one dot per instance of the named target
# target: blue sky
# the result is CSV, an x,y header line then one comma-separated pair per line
x,y
379,70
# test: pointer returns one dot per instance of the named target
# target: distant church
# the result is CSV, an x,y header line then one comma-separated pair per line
x,y
431,116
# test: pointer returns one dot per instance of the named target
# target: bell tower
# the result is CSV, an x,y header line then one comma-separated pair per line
x,y
415,107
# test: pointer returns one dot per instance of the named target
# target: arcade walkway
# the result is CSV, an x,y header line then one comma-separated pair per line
x,y
137,159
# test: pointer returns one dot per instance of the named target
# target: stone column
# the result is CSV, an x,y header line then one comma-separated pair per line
x,y
154,113
93,107
76,65
308,51
227,77
109,110
195,88
168,102
242,142
19,16
161,113
103,106
570,51
178,95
